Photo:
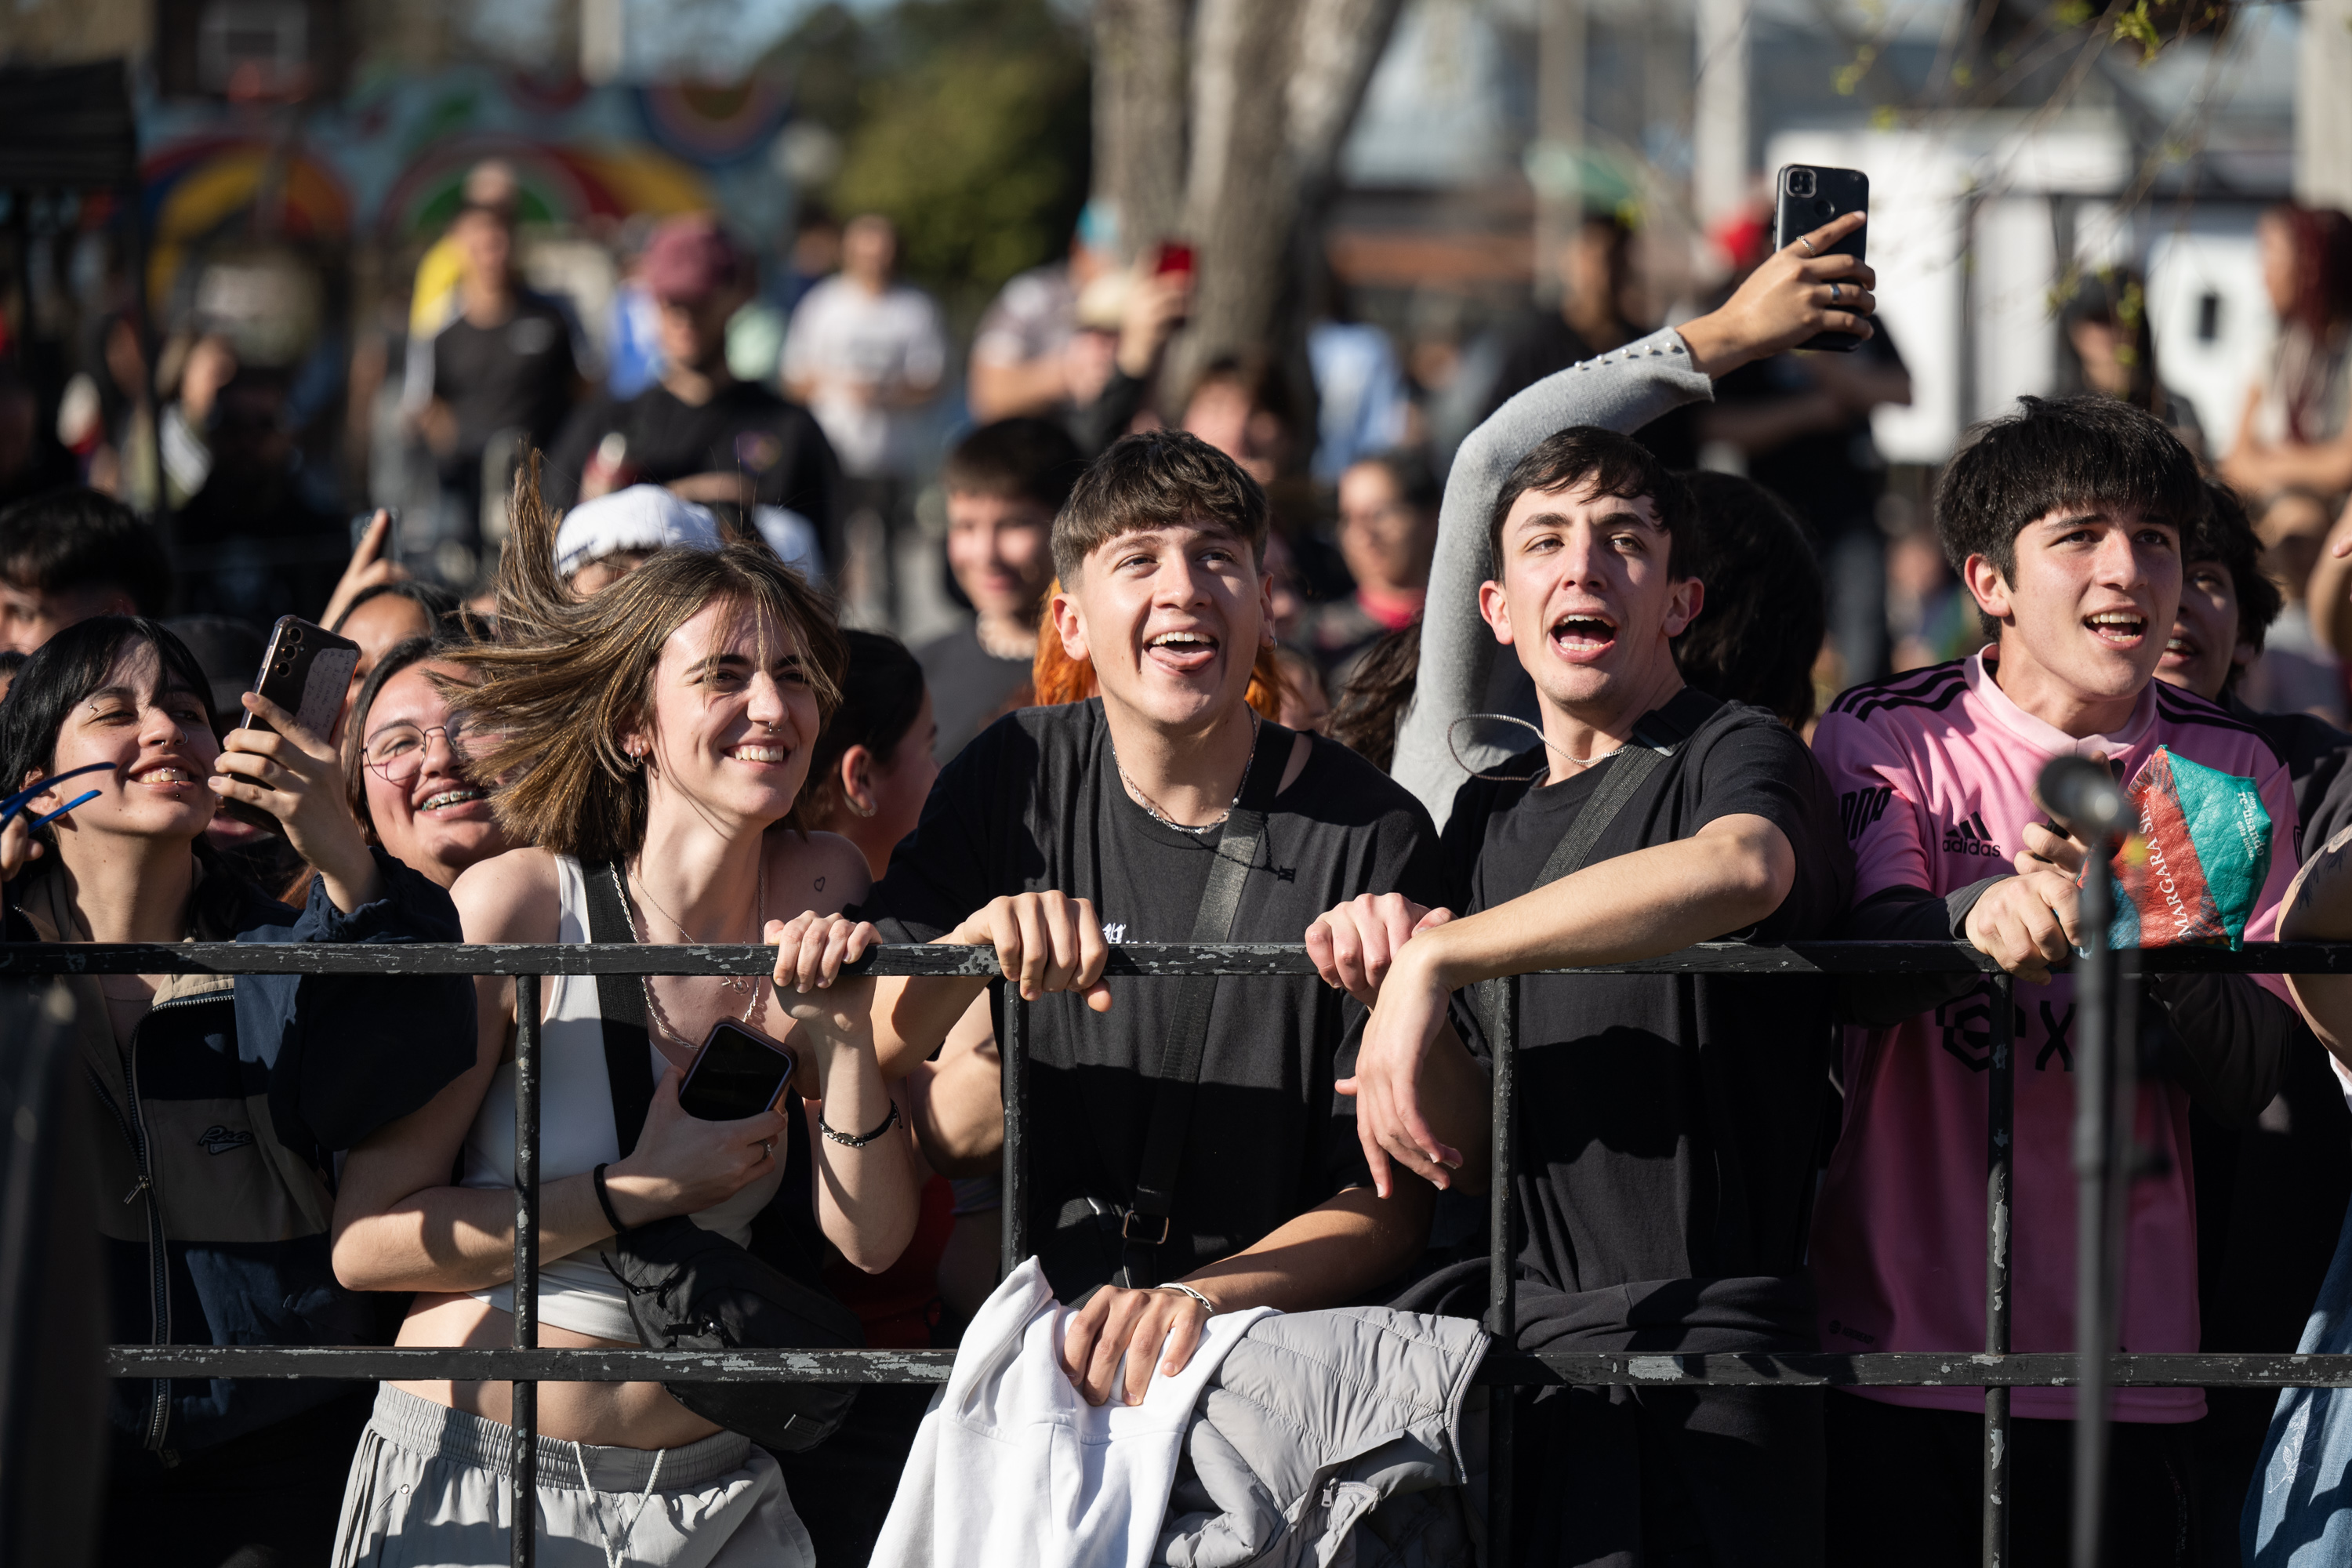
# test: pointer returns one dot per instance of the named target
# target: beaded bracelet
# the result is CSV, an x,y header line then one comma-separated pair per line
x,y
846,1142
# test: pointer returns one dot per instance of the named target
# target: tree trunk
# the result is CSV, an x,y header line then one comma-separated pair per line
x,y
1139,117
1274,86
1340,43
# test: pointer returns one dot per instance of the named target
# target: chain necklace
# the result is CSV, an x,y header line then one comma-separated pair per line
x,y
1167,821
642,931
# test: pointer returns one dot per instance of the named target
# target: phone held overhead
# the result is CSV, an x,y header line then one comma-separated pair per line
x,y
1808,197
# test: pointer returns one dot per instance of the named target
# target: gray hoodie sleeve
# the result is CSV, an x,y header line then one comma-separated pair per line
x,y
1621,390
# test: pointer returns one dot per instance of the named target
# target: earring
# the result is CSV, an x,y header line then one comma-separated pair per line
x,y
860,810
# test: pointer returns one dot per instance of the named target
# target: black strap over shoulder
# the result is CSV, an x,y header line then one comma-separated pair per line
x,y
1143,1229
1657,736
621,999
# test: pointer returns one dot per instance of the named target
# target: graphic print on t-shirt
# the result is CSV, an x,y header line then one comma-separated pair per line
x,y
1898,1236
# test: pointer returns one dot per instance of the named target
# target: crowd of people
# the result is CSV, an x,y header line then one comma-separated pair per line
x,y
1564,699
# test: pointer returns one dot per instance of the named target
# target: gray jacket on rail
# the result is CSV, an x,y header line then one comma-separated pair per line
x,y
1621,390
1352,1438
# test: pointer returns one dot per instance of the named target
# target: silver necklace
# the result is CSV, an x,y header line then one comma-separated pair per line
x,y
1167,821
642,932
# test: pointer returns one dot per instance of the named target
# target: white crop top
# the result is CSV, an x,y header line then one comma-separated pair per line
x,y
575,1136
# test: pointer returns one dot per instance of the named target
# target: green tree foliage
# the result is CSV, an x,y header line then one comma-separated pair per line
x,y
968,127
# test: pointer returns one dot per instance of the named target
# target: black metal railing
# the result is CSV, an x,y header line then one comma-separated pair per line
x,y
1995,1369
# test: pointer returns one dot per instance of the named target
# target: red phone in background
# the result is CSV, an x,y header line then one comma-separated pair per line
x,y
1172,256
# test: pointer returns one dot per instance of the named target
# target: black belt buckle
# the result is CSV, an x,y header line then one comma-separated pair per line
x,y
1127,1228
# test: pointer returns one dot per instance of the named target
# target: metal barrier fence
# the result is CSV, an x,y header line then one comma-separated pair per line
x,y
1996,1369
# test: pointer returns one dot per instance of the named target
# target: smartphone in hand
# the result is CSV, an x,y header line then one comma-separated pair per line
x,y
739,1072
1807,196
307,670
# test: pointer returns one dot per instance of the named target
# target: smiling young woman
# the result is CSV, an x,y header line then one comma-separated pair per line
x,y
405,771
217,1105
644,743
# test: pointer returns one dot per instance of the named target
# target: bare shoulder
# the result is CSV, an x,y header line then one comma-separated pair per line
x,y
509,898
819,871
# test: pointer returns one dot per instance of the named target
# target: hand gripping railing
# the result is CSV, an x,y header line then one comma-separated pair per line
x,y
1995,1370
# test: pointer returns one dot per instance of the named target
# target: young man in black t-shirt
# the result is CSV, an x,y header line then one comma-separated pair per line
x,y
503,362
699,431
1004,483
1669,1125
1061,829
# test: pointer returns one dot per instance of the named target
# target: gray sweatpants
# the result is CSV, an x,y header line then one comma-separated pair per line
x,y
428,1490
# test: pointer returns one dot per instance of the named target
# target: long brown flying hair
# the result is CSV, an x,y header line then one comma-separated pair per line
x,y
566,678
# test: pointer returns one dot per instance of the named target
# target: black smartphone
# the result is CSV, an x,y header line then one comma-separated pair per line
x,y
307,670
1809,196
738,1073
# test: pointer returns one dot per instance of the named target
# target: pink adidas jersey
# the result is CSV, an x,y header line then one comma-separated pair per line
x,y
1935,773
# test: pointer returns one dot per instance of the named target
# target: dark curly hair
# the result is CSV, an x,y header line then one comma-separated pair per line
x,y
1766,611
2226,535
2060,452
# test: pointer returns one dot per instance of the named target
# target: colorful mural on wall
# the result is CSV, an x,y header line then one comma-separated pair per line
x,y
385,165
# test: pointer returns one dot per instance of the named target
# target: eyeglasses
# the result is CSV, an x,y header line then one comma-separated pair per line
x,y
396,754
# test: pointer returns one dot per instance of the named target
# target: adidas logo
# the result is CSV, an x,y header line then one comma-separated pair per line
x,y
1861,808
1969,835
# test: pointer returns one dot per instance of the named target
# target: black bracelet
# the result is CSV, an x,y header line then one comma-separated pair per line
x,y
845,1140
604,1200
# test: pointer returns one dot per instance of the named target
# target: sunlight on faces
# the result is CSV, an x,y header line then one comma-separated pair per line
x,y
732,715
2204,642
1172,618
439,822
159,741
1585,598
2093,603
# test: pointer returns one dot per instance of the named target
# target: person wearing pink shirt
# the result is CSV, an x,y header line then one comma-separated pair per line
x,y
2065,522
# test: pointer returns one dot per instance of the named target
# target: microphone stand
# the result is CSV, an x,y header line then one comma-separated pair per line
x,y
2084,796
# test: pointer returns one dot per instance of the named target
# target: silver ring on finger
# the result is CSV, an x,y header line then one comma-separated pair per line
x,y
1836,293
769,1144
1806,240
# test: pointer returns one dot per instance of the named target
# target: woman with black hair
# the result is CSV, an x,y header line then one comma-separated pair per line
x,y
224,1099
873,767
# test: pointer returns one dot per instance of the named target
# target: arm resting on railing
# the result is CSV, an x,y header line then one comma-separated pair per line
x,y
1906,914
1727,877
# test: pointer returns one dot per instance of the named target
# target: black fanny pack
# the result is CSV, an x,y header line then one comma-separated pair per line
x,y
691,1289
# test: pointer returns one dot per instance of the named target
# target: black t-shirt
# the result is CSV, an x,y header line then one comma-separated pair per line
x,y
1036,803
743,429
1832,477
517,375
1668,1124
969,686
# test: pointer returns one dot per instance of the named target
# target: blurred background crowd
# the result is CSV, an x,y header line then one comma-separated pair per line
x,y
266,266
